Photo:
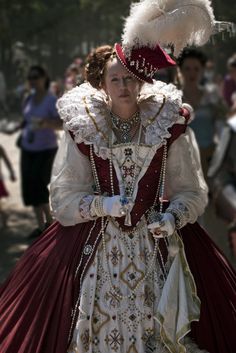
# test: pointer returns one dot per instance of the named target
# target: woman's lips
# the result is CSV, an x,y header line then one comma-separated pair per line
x,y
124,95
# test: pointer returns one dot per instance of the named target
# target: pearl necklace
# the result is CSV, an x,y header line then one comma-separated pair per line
x,y
160,193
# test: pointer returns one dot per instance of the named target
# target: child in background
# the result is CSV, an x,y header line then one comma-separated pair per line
x,y
3,190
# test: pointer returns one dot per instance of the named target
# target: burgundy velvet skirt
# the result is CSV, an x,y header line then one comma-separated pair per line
x,y
37,299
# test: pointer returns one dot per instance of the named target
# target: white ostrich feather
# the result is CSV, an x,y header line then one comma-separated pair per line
x,y
175,22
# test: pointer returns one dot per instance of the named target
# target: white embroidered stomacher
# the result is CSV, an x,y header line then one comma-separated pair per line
x,y
85,113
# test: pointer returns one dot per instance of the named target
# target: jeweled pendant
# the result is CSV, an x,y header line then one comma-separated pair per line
x,y
128,219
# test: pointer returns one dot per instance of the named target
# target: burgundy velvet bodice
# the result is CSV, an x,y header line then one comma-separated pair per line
x,y
147,185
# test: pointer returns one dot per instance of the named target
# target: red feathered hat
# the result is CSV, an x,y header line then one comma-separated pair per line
x,y
153,25
144,62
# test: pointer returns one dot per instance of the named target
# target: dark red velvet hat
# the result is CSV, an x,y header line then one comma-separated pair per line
x,y
144,62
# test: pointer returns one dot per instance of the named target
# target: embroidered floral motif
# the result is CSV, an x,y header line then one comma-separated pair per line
x,y
114,340
131,275
131,318
115,255
113,301
85,339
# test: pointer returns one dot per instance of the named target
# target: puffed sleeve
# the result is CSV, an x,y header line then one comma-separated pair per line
x,y
71,182
186,188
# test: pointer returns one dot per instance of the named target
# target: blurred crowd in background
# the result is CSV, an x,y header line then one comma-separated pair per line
x,y
30,109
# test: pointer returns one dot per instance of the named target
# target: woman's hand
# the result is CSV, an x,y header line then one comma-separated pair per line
x,y
163,227
110,206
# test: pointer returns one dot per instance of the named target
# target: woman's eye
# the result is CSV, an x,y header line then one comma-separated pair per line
x,y
129,78
114,80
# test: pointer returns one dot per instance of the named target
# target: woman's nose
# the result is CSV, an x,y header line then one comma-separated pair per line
x,y
123,82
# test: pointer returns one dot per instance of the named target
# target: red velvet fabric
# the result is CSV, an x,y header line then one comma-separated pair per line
x,y
36,301
216,287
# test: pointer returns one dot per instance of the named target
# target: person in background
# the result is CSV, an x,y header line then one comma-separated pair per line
x,y
38,145
56,88
3,92
209,108
3,190
229,84
74,75
222,172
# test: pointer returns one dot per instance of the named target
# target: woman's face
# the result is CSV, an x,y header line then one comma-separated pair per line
x,y
120,85
36,81
192,71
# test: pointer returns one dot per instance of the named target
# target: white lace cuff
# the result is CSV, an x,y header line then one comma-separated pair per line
x,y
85,206
181,214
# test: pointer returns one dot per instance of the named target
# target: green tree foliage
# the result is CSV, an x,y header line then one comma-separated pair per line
x,y
53,32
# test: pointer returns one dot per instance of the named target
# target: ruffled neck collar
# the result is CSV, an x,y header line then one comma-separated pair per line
x,y
84,111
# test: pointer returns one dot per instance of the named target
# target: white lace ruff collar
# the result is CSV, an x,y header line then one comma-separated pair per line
x,y
84,112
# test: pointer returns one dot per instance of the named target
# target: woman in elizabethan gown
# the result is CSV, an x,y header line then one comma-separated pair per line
x,y
125,268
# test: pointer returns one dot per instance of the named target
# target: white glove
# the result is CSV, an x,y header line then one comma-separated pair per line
x,y
112,206
102,206
164,227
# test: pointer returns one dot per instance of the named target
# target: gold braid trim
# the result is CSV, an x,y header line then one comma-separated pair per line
x,y
150,120
93,120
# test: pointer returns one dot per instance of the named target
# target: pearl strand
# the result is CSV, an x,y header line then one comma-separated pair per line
x,y
94,171
162,191
163,177
161,182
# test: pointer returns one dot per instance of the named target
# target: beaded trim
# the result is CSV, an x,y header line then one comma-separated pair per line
x,y
180,215
138,78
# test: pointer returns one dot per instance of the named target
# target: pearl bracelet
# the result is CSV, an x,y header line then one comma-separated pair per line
x,y
97,207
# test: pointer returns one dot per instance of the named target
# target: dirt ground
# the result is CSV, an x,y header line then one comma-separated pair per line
x,y
13,240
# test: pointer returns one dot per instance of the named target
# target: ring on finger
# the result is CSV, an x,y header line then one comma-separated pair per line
x,y
123,211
